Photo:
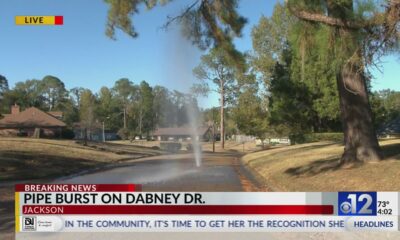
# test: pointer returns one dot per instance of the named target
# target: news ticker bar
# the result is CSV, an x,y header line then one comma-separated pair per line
x,y
34,203
39,20
205,223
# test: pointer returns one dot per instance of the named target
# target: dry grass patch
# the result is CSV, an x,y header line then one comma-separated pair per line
x,y
231,146
314,167
24,158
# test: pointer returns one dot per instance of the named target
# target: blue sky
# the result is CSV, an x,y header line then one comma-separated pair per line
x,y
80,54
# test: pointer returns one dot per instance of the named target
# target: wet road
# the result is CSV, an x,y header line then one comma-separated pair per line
x,y
218,172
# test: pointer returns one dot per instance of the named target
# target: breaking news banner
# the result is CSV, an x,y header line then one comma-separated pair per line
x,y
125,208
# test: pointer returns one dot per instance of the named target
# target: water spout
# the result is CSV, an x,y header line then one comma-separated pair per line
x,y
194,130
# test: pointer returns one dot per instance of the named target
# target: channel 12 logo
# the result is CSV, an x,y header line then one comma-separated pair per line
x,y
357,204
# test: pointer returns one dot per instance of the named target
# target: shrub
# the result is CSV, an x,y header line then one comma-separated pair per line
x,y
67,133
316,137
170,146
123,133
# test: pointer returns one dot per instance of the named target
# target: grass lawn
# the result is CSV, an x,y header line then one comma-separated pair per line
x,y
314,167
25,158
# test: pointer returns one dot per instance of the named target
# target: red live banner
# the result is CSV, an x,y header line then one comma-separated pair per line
x,y
39,20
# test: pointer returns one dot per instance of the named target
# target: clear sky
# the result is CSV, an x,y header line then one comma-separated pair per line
x,y
80,54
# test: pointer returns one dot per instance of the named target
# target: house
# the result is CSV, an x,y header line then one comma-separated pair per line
x,y
94,132
182,134
390,129
30,122
56,114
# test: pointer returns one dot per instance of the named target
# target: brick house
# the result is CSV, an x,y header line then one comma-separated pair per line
x,y
390,129
182,134
30,122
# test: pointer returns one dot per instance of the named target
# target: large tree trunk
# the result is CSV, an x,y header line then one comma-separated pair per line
x,y
361,144
124,117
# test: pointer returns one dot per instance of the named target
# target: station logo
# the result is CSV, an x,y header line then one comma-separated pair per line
x,y
29,223
357,203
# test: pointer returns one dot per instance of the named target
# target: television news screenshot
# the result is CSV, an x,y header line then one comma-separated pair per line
x,y
199,119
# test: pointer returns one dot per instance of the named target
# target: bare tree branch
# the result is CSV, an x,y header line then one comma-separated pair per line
x,y
377,19
170,19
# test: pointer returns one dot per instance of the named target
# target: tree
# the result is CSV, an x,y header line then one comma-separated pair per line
x,y
301,80
76,93
125,91
108,110
27,94
216,69
70,111
145,106
250,115
179,110
87,113
290,103
358,34
385,106
3,85
161,106
53,91
3,90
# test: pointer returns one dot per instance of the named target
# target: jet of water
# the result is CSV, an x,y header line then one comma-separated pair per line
x,y
192,113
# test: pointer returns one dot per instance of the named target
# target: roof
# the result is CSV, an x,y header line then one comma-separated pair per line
x,y
179,131
392,127
56,114
30,117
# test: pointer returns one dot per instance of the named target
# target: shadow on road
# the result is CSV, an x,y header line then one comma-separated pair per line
x,y
7,218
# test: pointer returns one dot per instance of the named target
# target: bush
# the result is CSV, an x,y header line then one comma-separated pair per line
x,y
67,133
316,137
190,147
123,133
170,146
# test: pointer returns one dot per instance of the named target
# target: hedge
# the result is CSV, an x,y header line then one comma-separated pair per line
x,y
316,137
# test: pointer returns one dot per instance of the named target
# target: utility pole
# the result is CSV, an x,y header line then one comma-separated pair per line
x,y
124,117
222,96
213,129
104,136
213,135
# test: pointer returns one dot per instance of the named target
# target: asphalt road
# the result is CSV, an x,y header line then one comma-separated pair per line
x,y
219,172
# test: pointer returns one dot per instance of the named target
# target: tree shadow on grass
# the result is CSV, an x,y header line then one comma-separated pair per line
x,y
22,165
291,151
392,151
315,167
332,164
7,217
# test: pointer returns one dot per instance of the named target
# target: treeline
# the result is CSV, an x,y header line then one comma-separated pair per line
x,y
287,85
129,108
299,73
287,89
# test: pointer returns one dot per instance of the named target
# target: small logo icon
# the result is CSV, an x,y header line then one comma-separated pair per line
x,y
357,203
29,223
